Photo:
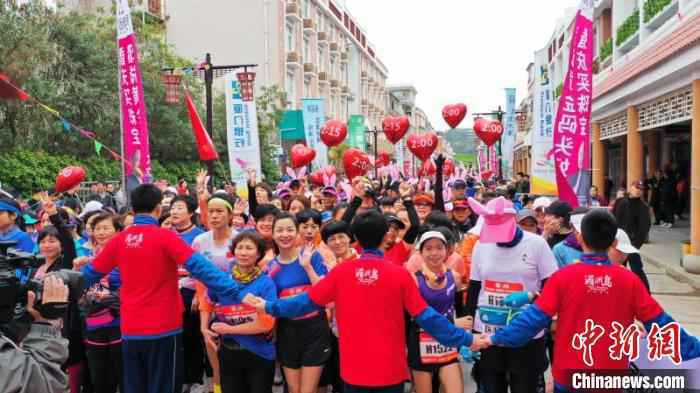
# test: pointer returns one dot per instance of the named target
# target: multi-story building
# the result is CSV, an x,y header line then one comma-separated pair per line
x,y
310,48
523,140
646,95
403,102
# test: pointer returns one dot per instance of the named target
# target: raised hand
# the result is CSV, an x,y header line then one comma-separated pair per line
x,y
251,176
305,258
241,205
78,263
358,187
439,161
405,189
47,204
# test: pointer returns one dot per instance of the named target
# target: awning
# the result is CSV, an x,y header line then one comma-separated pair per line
x,y
292,127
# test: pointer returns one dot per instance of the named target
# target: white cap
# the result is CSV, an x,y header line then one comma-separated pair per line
x,y
624,244
430,235
90,207
541,202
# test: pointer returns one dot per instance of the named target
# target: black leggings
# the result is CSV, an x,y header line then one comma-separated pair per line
x,y
637,267
520,369
243,371
192,340
105,361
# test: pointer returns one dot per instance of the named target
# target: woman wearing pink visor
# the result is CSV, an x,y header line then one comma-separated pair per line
x,y
506,261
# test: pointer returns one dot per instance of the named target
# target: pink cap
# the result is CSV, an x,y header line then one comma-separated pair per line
x,y
499,220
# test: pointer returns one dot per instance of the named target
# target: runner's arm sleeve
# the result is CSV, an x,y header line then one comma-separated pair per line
x,y
523,328
101,265
215,279
352,209
442,329
291,307
690,345
472,297
412,232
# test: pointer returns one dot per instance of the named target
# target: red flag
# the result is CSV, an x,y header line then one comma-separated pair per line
x,y
9,91
206,149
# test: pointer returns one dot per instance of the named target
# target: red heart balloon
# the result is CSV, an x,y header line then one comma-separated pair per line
x,y
395,127
383,159
301,155
454,114
333,133
422,145
486,175
448,168
428,169
355,163
316,177
68,178
489,131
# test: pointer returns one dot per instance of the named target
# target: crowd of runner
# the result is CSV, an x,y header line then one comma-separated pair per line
x,y
354,286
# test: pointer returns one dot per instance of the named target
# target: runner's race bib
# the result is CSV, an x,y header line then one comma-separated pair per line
x,y
293,291
432,352
235,315
496,292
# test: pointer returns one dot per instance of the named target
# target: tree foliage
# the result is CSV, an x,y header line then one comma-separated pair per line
x,y
68,60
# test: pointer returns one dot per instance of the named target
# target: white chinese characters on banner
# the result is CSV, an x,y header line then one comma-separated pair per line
x,y
242,134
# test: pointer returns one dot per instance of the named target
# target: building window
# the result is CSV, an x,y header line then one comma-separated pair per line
x,y
290,83
290,37
343,74
319,20
332,67
307,53
305,9
307,88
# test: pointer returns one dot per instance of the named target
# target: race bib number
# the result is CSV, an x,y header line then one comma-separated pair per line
x,y
496,292
294,291
432,352
235,315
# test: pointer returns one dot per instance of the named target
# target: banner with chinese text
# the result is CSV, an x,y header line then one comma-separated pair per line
x,y
356,132
509,132
571,127
313,112
543,179
241,134
134,122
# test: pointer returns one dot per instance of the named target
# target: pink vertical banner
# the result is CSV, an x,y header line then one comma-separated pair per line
x,y
137,157
571,127
483,166
493,159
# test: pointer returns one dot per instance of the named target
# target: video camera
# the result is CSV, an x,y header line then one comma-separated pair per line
x,y
17,271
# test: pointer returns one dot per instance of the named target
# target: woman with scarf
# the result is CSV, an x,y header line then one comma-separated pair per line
x,y
245,349
215,245
508,265
303,343
437,285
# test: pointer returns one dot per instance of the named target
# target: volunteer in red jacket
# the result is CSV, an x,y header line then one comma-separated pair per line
x,y
151,308
370,297
590,299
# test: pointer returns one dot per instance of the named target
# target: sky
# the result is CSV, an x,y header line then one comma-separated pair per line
x,y
458,50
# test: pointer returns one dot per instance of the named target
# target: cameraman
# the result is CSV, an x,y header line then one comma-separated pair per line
x,y
34,363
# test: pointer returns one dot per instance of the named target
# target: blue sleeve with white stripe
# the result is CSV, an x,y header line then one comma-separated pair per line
x,y
523,328
211,276
442,329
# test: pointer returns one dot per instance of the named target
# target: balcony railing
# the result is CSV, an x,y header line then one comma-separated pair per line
x,y
309,68
657,12
323,77
292,11
293,59
322,38
309,26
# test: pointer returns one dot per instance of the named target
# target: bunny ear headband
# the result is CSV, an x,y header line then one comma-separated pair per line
x,y
294,175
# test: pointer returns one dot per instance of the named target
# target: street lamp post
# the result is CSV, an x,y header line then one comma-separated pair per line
x,y
209,71
374,133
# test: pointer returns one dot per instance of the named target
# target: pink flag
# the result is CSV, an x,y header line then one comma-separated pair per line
x,y
571,127
134,122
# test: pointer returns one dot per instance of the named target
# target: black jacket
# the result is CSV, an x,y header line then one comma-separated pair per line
x,y
633,217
